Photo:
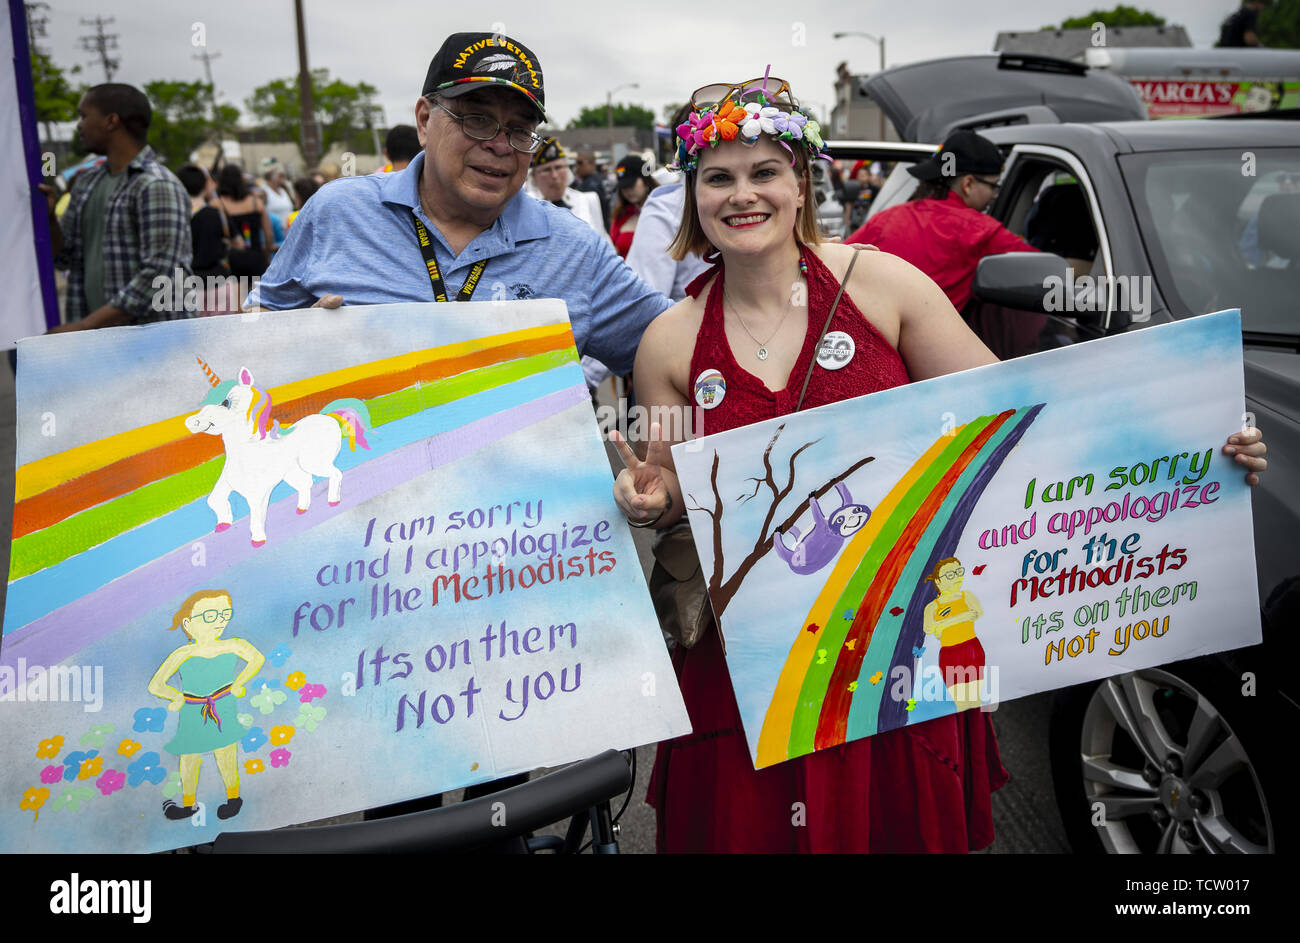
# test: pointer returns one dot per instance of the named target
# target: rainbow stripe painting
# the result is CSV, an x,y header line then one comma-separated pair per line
x,y
990,534
272,568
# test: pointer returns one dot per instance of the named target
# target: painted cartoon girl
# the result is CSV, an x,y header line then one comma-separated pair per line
x,y
206,698
951,619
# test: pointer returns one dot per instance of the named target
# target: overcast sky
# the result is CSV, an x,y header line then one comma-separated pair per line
x,y
585,48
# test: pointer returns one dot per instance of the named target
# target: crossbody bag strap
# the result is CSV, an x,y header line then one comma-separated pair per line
x,y
826,327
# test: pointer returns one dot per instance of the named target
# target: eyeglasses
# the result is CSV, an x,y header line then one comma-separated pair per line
x,y
484,128
212,615
769,88
960,571
994,185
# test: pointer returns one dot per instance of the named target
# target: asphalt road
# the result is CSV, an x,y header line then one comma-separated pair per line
x,y
1024,811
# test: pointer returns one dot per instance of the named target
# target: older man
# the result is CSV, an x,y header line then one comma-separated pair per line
x,y
456,219
553,181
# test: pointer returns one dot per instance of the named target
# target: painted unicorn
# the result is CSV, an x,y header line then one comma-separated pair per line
x,y
260,453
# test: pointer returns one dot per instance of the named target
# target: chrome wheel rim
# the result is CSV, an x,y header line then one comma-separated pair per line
x,y
1164,772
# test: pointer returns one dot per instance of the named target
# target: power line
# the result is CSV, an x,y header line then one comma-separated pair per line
x,y
101,43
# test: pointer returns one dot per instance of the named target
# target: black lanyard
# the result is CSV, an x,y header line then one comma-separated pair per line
x,y
435,276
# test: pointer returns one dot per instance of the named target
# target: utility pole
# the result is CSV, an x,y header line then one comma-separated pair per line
x,y
101,43
36,21
310,135
207,57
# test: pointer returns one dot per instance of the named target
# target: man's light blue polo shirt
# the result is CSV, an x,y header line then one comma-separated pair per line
x,y
355,238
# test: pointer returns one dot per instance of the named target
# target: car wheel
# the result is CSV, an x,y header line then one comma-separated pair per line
x,y
1164,760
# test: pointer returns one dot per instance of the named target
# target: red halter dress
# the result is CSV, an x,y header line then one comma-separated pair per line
x,y
917,789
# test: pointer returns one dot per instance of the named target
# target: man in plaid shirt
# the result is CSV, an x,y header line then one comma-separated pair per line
x,y
125,237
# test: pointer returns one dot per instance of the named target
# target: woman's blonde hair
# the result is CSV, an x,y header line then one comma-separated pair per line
x,y
690,237
186,610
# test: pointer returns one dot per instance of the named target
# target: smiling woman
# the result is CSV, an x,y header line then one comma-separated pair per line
x,y
758,319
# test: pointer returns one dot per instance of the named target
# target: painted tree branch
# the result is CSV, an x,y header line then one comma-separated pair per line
x,y
721,590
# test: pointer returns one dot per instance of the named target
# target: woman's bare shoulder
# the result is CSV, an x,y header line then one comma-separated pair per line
x,y
676,324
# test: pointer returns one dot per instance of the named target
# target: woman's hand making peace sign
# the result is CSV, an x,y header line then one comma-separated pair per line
x,y
641,490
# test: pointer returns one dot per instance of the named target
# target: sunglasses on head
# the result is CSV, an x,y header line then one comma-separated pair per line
x,y
769,88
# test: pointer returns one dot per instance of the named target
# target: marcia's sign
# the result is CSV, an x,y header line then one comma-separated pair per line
x,y
1173,98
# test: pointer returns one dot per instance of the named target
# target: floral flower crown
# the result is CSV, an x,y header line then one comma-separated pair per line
x,y
731,120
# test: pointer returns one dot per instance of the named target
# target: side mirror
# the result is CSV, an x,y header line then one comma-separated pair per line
x,y
1025,280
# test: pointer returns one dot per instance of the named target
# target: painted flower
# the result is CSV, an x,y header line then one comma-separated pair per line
x,y
172,787
281,734
95,737
33,799
91,767
253,766
280,757
49,748
309,715
72,798
146,770
279,655
128,747
51,774
296,680
253,740
150,718
311,692
111,782
245,720
266,700
72,763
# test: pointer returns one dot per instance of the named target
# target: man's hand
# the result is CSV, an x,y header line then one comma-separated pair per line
x,y
51,198
329,301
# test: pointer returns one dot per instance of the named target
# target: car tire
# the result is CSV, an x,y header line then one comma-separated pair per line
x,y
1229,801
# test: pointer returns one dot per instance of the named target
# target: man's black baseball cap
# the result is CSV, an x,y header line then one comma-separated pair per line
x,y
548,152
971,154
468,61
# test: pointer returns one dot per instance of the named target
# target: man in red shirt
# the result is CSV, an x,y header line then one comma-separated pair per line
x,y
943,230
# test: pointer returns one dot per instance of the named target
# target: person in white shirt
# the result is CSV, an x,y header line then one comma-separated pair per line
x,y
661,214
551,178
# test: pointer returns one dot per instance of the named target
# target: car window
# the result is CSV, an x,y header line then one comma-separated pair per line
x,y
1046,205
1223,230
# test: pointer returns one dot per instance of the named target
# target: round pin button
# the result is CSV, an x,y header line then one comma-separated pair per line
x,y
837,349
710,387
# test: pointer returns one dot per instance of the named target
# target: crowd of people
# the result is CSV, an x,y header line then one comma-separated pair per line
x,y
706,286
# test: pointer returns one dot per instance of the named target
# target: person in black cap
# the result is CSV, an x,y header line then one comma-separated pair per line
x,y
945,231
554,183
456,219
634,185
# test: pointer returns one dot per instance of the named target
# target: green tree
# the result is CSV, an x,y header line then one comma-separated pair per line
x,y
56,98
183,118
341,108
1279,25
1120,16
634,116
